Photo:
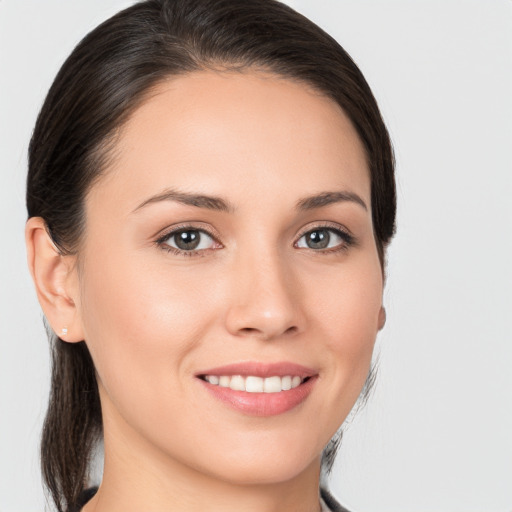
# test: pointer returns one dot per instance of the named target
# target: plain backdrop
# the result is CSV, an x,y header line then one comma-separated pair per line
x,y
437,434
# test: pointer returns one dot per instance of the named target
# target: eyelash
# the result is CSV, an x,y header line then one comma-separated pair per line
x,y
348,239
178,229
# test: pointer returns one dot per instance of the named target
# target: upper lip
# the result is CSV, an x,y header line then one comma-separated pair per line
x,y
260,369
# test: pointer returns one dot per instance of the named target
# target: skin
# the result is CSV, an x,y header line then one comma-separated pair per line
x,y
254,292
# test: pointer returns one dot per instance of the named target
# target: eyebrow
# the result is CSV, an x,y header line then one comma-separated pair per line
x,y
219,204
198,200
327,198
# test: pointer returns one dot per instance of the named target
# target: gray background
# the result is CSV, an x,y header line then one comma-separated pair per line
x,y
437,435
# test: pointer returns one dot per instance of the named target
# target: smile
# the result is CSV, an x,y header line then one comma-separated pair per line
x,y
259,389
254,384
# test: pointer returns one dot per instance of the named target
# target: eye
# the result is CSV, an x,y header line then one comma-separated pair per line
x,y
187,240
325,238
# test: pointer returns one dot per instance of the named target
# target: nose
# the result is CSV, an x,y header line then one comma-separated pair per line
x,y
264,299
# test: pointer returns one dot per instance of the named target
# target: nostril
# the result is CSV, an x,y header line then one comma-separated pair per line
x,y
265,335
249,329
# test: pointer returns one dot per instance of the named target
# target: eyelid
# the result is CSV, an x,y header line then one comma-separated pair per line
x,y
171,230
326,225
349,240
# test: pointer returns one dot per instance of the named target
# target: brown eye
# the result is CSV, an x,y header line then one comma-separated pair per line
x,y
189,240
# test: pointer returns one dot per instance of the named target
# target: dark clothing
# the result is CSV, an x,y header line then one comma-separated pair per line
x,y
331,502
83,499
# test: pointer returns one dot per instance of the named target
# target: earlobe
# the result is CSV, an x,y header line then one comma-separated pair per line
x,y
382,317
55,280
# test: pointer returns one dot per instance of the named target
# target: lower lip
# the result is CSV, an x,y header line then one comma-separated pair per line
x,y
262,404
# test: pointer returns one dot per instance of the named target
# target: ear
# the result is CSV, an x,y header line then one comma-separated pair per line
x,y
382,317
56,281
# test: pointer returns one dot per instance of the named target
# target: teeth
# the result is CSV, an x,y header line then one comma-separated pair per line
x,y
272,385
253,384
237,383
212,379
224,381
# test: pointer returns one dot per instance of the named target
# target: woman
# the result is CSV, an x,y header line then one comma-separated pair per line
x,y
210,197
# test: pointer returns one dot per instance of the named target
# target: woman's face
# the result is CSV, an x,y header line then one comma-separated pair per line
x,y
231,237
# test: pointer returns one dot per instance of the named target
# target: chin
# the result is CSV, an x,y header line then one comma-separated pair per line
x,y
263,463
272,472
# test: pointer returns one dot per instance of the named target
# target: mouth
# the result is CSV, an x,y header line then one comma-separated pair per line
x,y
255,384
259,389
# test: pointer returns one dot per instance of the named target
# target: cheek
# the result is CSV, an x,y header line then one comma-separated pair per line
x,y
347,318
347,303
140,326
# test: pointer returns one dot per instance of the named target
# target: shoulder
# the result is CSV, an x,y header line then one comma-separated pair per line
x,y
331,501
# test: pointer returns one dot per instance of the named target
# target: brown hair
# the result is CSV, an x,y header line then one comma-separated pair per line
x,y
100,84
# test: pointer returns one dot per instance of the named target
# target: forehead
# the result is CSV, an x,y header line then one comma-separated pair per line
x,y
240,133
